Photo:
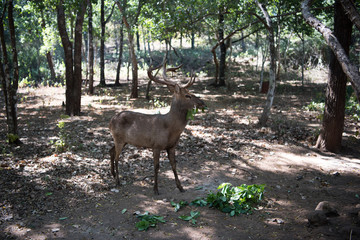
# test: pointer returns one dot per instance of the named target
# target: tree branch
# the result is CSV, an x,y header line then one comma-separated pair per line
x,y
351,11
349,69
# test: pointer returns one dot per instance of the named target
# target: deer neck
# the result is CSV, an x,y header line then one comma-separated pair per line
x,y
177,114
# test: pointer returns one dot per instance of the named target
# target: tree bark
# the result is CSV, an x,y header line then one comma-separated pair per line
x,y
121,48
134,88
222,49
271,92
10,81
349,69
103,23
334,112
102,44
72,63
48,55
91,51
351,11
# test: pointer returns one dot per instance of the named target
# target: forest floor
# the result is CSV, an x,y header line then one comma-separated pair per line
x,y
72,195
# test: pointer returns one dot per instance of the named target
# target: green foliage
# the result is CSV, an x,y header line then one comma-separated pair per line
x,y
62,144
147,220
191,113
201,202
179,205
192,217
315,106
157,103
12,138
236,200
352,107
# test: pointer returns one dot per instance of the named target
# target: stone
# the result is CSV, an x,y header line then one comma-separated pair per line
x,y
326,208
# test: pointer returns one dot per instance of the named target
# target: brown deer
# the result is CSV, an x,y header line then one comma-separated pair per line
x,y
159,132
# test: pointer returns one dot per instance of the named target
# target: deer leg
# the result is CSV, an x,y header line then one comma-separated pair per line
x,y
112,159
171,154
156,153
118,149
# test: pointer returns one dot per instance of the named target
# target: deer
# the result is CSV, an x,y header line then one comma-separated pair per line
x,y
155,131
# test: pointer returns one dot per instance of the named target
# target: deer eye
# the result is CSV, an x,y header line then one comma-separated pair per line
x,y
188,96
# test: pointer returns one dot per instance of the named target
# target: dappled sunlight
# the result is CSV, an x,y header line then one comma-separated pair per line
x,y
222,144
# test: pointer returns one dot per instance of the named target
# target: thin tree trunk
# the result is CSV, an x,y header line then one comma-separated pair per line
x,y
102,44
72,63
271,92
48,55
103,23
134,88
222,66
121,48
192,40
91,51
302,58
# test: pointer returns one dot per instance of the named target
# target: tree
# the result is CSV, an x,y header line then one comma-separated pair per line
x,y
121,47
349,69
340,69
91,50
271,92
49,57
129,23
72,56
9,80
102,41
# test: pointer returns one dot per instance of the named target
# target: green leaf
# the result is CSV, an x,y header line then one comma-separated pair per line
x,y
124,211
199,202
185,218
48,194
142,225
63,218
194,214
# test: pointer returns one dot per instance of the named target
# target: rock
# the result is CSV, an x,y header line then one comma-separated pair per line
x,y
299,177
317,218
327,209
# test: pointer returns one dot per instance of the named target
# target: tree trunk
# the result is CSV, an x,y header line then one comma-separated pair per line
x,y
134,88
72,64
334,113
121,48
192,40
271,93
102,44
10,81
91,51
48,55
222,66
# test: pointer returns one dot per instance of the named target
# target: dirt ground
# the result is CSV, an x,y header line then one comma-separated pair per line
x,y
72,195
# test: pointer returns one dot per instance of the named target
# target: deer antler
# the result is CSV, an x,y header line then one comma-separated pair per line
x,y
166,81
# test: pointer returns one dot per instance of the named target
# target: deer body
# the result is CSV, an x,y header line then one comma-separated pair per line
x,y
158,132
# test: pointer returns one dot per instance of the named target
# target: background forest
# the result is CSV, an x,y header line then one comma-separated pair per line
x,y
281,82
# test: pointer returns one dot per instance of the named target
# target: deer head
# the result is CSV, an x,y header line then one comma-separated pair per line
x,y
182,96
